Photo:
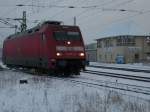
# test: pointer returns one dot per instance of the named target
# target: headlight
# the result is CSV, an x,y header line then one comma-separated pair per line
x,y
58,54
81,54
68,42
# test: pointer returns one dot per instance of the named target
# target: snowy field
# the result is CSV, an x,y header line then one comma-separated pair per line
x,y
46,94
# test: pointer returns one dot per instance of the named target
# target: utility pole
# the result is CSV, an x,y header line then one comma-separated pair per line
x,y
24,24
74,21
16,29
22,21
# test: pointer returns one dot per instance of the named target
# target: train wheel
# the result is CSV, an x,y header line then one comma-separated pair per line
x,y
77,72
52,73
66,73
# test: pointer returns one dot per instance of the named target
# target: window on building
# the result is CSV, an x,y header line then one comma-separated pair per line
x,y
99,44
111,56
148,41
125,41
148,54
105,57
108,43
100,57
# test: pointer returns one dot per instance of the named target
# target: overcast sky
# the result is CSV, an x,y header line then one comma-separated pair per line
x,y
96,18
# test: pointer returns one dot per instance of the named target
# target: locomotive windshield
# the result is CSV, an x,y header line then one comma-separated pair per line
x,y
61,35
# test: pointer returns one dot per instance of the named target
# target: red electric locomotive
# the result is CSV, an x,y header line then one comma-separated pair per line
x,y
48,46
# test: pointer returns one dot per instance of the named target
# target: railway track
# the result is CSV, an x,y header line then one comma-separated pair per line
x,y
105,84
122,86
123,76
82,80
125,69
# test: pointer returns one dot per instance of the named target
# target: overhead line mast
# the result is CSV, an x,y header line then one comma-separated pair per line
x,y
23,21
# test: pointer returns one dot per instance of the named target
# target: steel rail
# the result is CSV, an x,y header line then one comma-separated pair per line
x,y
123,76
96,83
118,68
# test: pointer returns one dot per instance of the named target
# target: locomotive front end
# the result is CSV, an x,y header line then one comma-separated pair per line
x,y
70,51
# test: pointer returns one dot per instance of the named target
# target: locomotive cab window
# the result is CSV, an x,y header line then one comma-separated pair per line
x,y
60,36
67,35
74,35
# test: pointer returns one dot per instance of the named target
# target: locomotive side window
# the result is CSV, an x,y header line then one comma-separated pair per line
x,y
67,35
43,37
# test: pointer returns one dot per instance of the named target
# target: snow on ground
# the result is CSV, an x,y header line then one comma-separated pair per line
x,y
140,66
45,94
